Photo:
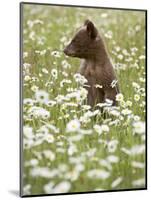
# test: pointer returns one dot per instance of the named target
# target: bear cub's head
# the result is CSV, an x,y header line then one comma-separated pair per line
x,y
85,42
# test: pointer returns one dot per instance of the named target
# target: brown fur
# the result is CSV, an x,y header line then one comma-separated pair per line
x,y
95,66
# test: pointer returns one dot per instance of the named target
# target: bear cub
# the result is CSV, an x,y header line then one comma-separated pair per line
x,y
96,67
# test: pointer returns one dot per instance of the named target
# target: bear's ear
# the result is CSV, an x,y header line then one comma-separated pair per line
x,y
92,31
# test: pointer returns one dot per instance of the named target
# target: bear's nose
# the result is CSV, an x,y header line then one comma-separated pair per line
x,y
65,51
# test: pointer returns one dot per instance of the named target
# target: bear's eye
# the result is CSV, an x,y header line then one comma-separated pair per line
x,y
75,40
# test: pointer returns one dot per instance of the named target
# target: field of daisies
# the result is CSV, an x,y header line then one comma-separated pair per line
x,y
67,145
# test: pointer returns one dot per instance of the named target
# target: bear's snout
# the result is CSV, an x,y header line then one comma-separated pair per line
x,y
66,51
69,51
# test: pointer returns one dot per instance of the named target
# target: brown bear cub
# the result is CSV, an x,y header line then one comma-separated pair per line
x,y
96,67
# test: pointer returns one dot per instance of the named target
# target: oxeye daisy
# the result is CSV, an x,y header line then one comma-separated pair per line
x,y
139,127
136,97
55,54
119,97
73,125
54,73
42,96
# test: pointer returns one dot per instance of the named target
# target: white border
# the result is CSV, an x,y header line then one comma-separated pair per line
x,y
9,99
